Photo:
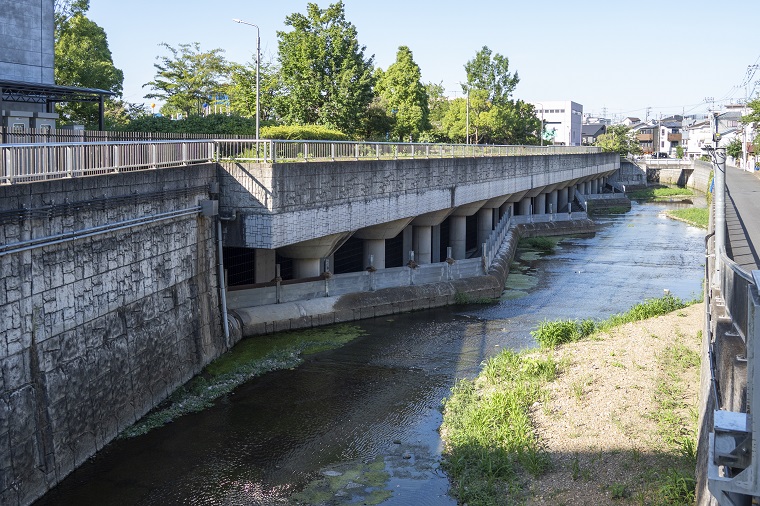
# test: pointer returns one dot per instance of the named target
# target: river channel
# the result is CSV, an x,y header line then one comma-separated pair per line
x,y
358,424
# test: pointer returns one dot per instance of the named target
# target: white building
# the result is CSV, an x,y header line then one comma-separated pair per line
x,y
562,120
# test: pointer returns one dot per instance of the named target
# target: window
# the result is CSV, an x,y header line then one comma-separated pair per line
x,y
45,129
18,127
562,111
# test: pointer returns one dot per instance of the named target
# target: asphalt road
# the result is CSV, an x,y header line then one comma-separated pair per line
x,y
743,217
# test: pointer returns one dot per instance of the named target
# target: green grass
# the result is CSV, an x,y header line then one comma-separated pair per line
x,y
249,358
490,443
550,334
543,244
696,216
658,193
490,440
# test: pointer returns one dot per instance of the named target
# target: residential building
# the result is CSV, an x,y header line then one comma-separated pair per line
x,y
590,132
562,121
645,135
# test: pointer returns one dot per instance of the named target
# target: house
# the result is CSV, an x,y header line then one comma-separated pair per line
x,y
644,133
590,132
562,121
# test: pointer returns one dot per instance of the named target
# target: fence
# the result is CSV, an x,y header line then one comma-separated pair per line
x,y
40,161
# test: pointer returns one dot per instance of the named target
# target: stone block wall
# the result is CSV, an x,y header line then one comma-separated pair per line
x,y
95,331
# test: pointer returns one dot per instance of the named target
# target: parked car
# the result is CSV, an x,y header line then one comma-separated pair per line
x,y
660,155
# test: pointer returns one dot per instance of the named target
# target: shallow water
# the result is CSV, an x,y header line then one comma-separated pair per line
x,y
359,423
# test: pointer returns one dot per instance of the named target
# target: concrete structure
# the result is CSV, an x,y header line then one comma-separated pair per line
x,y
27,42
100,318
564,118
110,292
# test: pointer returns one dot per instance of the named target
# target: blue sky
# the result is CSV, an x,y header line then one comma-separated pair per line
x,y
621,56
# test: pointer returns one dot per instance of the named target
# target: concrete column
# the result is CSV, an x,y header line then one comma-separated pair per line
x,y
553,201
458,236
595,186
376,248
562,199
408,244
306,268
485,225
436,249
264,267
540,207
525,206
422,236
570,194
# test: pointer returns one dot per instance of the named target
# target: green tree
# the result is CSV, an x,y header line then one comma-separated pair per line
x,y
490,72
404,96
618,139
679,152
326,78
188,77
753,118
438,104
66,9
83,59
242,90
734,148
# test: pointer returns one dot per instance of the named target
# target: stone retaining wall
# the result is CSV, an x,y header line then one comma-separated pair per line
x,y
96,331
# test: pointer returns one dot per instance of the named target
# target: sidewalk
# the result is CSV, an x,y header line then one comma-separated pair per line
x,y
743,217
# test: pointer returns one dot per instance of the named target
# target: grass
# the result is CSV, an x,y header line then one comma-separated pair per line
x,y
490,440
491,446
550,334
249,358
543,244
660,193
696,216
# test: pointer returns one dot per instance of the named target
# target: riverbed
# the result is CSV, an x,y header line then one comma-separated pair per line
x,y
358,424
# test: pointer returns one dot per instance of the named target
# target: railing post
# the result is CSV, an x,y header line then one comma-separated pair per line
x,y
377,151
185,155
272,151
116,160
356,151
306,151
9,164
277,280
332,151
69,161
154,154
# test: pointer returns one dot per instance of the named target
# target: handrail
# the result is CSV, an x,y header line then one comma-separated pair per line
x,y
28,162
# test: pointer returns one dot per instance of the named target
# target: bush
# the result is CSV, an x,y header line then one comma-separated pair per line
x,y
302,132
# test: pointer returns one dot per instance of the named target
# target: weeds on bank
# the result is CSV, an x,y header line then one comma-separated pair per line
x,y
696,216
543,244
655,193
490,440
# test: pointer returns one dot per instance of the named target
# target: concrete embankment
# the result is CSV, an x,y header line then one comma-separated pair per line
x,y
387,301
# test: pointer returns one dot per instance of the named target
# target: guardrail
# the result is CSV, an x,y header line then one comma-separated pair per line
x,y
30,162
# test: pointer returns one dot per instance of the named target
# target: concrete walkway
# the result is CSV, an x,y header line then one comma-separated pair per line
x,y
743,217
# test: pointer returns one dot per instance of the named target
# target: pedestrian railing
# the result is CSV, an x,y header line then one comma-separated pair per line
x,y
29,162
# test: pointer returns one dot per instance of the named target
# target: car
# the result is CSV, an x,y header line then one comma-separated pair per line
x,y
659,155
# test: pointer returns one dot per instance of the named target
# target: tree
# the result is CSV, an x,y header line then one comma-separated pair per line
x,y
66,9
325,76
83,59
438,105
618,140
404,96
491,74
735,149
188,77
242,90
753,118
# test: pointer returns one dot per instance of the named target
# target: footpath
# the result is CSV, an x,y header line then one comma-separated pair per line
x,y
743,217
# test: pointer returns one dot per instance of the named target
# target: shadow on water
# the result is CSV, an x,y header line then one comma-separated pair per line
x,y
359,423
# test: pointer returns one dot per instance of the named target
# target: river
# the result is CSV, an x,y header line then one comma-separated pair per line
x,y
359,424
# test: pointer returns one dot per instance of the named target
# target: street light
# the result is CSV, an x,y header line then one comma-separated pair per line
x,y
541,133
258,59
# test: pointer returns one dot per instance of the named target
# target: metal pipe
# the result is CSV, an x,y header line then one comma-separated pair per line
x,y
222,287
40,242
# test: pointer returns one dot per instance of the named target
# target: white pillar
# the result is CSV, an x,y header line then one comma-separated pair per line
x,y
553,201
458,236
485,225
422,241
436,246
540,207
376,248
562,200
525,206
407,243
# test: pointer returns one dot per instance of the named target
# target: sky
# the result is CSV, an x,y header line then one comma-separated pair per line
x,y
616,57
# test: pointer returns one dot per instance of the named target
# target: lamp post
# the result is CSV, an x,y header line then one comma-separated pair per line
x,y
541,132
258,59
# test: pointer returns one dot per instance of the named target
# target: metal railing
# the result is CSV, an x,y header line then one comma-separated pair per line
x,y
20,163
42,161
303,151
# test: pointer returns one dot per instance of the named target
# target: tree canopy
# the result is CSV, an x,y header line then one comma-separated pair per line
x,y
618,139
325,76
490,73
83,59
188,77
404,97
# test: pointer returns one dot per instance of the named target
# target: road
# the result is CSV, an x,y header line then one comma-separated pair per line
x,y
743,217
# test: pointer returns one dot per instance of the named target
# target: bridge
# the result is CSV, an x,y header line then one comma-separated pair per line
x,y
112,260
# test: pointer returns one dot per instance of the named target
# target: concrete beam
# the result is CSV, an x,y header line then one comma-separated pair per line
x,y
384,230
